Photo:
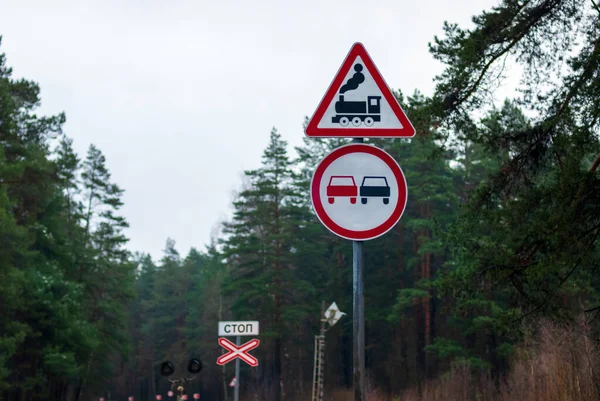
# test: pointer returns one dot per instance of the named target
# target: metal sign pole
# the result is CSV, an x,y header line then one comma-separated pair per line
x,y
322,353
236,391
358,316
358,321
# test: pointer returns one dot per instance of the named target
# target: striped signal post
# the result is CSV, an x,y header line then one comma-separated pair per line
x,y
331,316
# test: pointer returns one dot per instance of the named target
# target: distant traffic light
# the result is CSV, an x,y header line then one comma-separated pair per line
x,y
195,366
166,368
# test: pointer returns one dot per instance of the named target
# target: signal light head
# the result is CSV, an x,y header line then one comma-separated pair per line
x,y
195,366
166,368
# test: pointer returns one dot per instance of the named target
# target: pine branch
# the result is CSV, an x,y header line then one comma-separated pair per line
x,y
505,51
595,6
564,279
595,315
585,75
595,165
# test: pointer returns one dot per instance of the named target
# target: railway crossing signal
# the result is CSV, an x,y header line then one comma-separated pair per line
x,y
237,351
359,104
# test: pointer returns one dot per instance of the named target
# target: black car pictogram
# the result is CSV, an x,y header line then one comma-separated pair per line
x,y
373,186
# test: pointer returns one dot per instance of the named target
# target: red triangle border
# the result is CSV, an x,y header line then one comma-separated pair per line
x,y
312,129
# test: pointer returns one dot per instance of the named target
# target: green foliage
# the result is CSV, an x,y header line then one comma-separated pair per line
x,y
405,299
445,348
533,224
65,291
475,364
502,223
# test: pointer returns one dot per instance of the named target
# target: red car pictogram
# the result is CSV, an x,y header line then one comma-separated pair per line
x,y
342,186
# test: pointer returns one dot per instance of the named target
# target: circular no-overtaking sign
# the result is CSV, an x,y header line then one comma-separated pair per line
x,y
358,192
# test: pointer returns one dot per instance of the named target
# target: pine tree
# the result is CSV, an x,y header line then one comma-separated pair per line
x,y
44,328
542,204
105,269
261,252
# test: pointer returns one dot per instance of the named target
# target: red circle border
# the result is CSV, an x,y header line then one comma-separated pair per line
x,y
355,235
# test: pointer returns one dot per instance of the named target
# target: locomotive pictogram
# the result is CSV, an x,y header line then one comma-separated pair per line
x,y
357,112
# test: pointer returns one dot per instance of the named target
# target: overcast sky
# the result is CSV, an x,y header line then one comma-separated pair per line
x,y
181,96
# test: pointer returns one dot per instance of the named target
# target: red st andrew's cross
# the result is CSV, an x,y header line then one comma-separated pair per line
x,y
238,352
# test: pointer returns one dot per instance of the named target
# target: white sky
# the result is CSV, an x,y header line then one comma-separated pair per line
x,y
181,96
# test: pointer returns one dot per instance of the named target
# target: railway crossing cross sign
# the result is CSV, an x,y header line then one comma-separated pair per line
x,y
358,192
359,104
238,352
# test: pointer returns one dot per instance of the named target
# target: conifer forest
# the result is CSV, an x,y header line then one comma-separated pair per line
x,y
488,288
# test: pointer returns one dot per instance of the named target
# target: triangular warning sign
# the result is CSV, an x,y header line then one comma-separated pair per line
x,y
359,104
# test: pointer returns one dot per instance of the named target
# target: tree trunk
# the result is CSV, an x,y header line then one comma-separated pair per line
x,y
223,369
427,312
153,383
402,332
418,320
80,390
279,374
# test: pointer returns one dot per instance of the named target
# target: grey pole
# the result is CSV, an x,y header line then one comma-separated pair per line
x,y
236,391
358,348
358,316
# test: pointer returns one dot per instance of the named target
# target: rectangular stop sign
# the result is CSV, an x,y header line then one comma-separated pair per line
x,y
238,328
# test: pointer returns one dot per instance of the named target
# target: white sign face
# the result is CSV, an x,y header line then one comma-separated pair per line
x,y
333,314
238,328
358,192
360,103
